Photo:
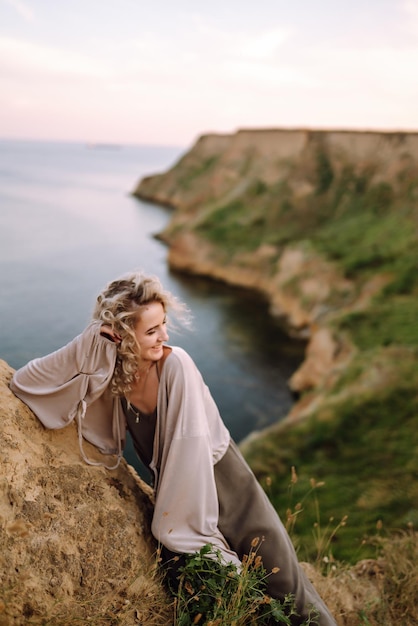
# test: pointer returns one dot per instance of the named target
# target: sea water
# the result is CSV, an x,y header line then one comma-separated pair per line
x,y
69,224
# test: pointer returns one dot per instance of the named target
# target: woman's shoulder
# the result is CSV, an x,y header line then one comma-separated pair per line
x,y
179,359
179,352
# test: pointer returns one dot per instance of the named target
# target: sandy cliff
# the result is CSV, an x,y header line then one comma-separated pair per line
x,y
296,166
220,165
75,539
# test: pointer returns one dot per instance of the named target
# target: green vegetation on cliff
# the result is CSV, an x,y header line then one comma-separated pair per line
x,y
364,226
362,445
353,200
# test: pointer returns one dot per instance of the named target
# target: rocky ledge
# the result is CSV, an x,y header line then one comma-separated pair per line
x,y
75,539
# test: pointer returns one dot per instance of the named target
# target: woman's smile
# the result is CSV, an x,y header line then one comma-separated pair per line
x,y
151,331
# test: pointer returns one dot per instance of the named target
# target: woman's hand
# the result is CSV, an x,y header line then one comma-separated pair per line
x,y
109,333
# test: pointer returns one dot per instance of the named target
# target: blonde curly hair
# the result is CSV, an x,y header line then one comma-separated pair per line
x,y
119,306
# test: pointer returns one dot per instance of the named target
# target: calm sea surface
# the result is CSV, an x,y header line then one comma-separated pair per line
x,y
68,225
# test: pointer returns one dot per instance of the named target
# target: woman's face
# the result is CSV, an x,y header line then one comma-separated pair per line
x,y
150,331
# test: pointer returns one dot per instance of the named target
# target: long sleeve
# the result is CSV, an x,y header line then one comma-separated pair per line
x,y
190,439
74,382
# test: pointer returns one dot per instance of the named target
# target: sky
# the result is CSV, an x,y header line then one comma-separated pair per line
x,y
167,71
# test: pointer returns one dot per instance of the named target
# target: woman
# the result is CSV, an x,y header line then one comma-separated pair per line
x,y
120,374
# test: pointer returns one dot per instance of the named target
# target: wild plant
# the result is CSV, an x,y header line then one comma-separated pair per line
x,y
323,536
212,592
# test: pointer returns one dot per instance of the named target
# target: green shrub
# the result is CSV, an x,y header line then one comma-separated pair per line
x,y
360,241
215,593
233,226
379,198
386,322
324,172
405,275
362,446
192,172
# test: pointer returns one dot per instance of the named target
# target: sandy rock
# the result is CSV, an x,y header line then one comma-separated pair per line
x,y
349,591
320,357
75,539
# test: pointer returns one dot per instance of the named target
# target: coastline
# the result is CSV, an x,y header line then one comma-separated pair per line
x,y
323,224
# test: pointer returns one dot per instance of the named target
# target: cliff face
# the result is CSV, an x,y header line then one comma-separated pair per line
x,y
261,186
324,224
75,539
220,166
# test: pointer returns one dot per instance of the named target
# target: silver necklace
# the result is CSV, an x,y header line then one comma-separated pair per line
x,y
138,414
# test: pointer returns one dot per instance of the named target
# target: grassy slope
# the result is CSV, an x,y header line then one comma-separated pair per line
x,y
363,442
363,447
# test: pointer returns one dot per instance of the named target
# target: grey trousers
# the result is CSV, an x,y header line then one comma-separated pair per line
x,y
245,513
